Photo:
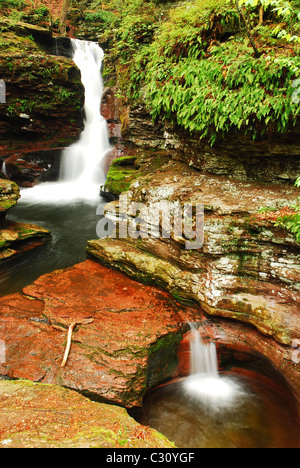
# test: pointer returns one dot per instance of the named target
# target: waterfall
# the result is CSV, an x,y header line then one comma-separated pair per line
x,y
204,358
81,160
3,169
80,173
205,382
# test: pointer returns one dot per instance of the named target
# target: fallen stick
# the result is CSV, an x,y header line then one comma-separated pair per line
x,y
69,339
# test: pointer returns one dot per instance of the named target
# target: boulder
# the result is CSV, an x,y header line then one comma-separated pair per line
x,y
49,416
13,236
129,345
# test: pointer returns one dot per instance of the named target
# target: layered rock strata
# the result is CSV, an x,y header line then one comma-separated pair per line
x,y
13,235
247,269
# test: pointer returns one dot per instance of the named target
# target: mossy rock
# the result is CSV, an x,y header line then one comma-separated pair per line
x,y
9,195
122,173
49,416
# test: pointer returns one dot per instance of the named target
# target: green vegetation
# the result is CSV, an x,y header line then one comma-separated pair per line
x,y
121,174
15,4
209,66
25,10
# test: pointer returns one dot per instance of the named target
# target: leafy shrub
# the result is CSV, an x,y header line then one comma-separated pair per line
x,y
193,74
292,224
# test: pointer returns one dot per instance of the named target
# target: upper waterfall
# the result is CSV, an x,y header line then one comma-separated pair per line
x,y
80,173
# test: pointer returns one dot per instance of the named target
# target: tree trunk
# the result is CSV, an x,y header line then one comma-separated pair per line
x,y
261,16
63,18
248,29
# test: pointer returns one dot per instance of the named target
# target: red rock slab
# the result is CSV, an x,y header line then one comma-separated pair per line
x,y
132,326
135,340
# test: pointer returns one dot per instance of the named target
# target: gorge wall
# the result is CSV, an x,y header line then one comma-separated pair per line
x,y
245,278
248,269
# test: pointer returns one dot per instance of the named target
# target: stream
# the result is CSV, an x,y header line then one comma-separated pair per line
x,y
71,226
68,208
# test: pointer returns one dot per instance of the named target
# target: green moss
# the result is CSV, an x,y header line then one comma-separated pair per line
x,y
121,174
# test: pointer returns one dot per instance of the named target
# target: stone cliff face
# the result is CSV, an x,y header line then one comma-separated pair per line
x,y
13,236
43,98
248,269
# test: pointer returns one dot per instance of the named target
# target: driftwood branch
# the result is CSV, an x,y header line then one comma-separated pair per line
x,y
69,338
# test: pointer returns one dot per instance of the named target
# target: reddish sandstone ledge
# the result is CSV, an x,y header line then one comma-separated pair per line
x,y
130,345
133,343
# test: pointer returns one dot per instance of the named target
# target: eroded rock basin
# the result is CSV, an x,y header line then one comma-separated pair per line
x,y
136,339
256,415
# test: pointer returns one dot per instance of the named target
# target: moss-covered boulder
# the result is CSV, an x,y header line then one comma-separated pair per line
x,y
121,174
9,195
48,416
126,169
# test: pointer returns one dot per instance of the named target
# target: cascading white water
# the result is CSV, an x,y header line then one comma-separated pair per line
x,y
205,383
3,169
80,162
80,173
204,358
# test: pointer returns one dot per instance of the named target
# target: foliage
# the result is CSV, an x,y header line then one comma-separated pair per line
x,y
15,4
292,224
286,12
192,64
230,90
199,73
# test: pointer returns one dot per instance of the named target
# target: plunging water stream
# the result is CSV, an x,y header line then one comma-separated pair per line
x,y
66,207
81,174
205,383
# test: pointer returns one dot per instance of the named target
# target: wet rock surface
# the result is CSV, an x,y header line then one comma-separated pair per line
x,y
247,270
13,236
43,92
130,343
132,339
